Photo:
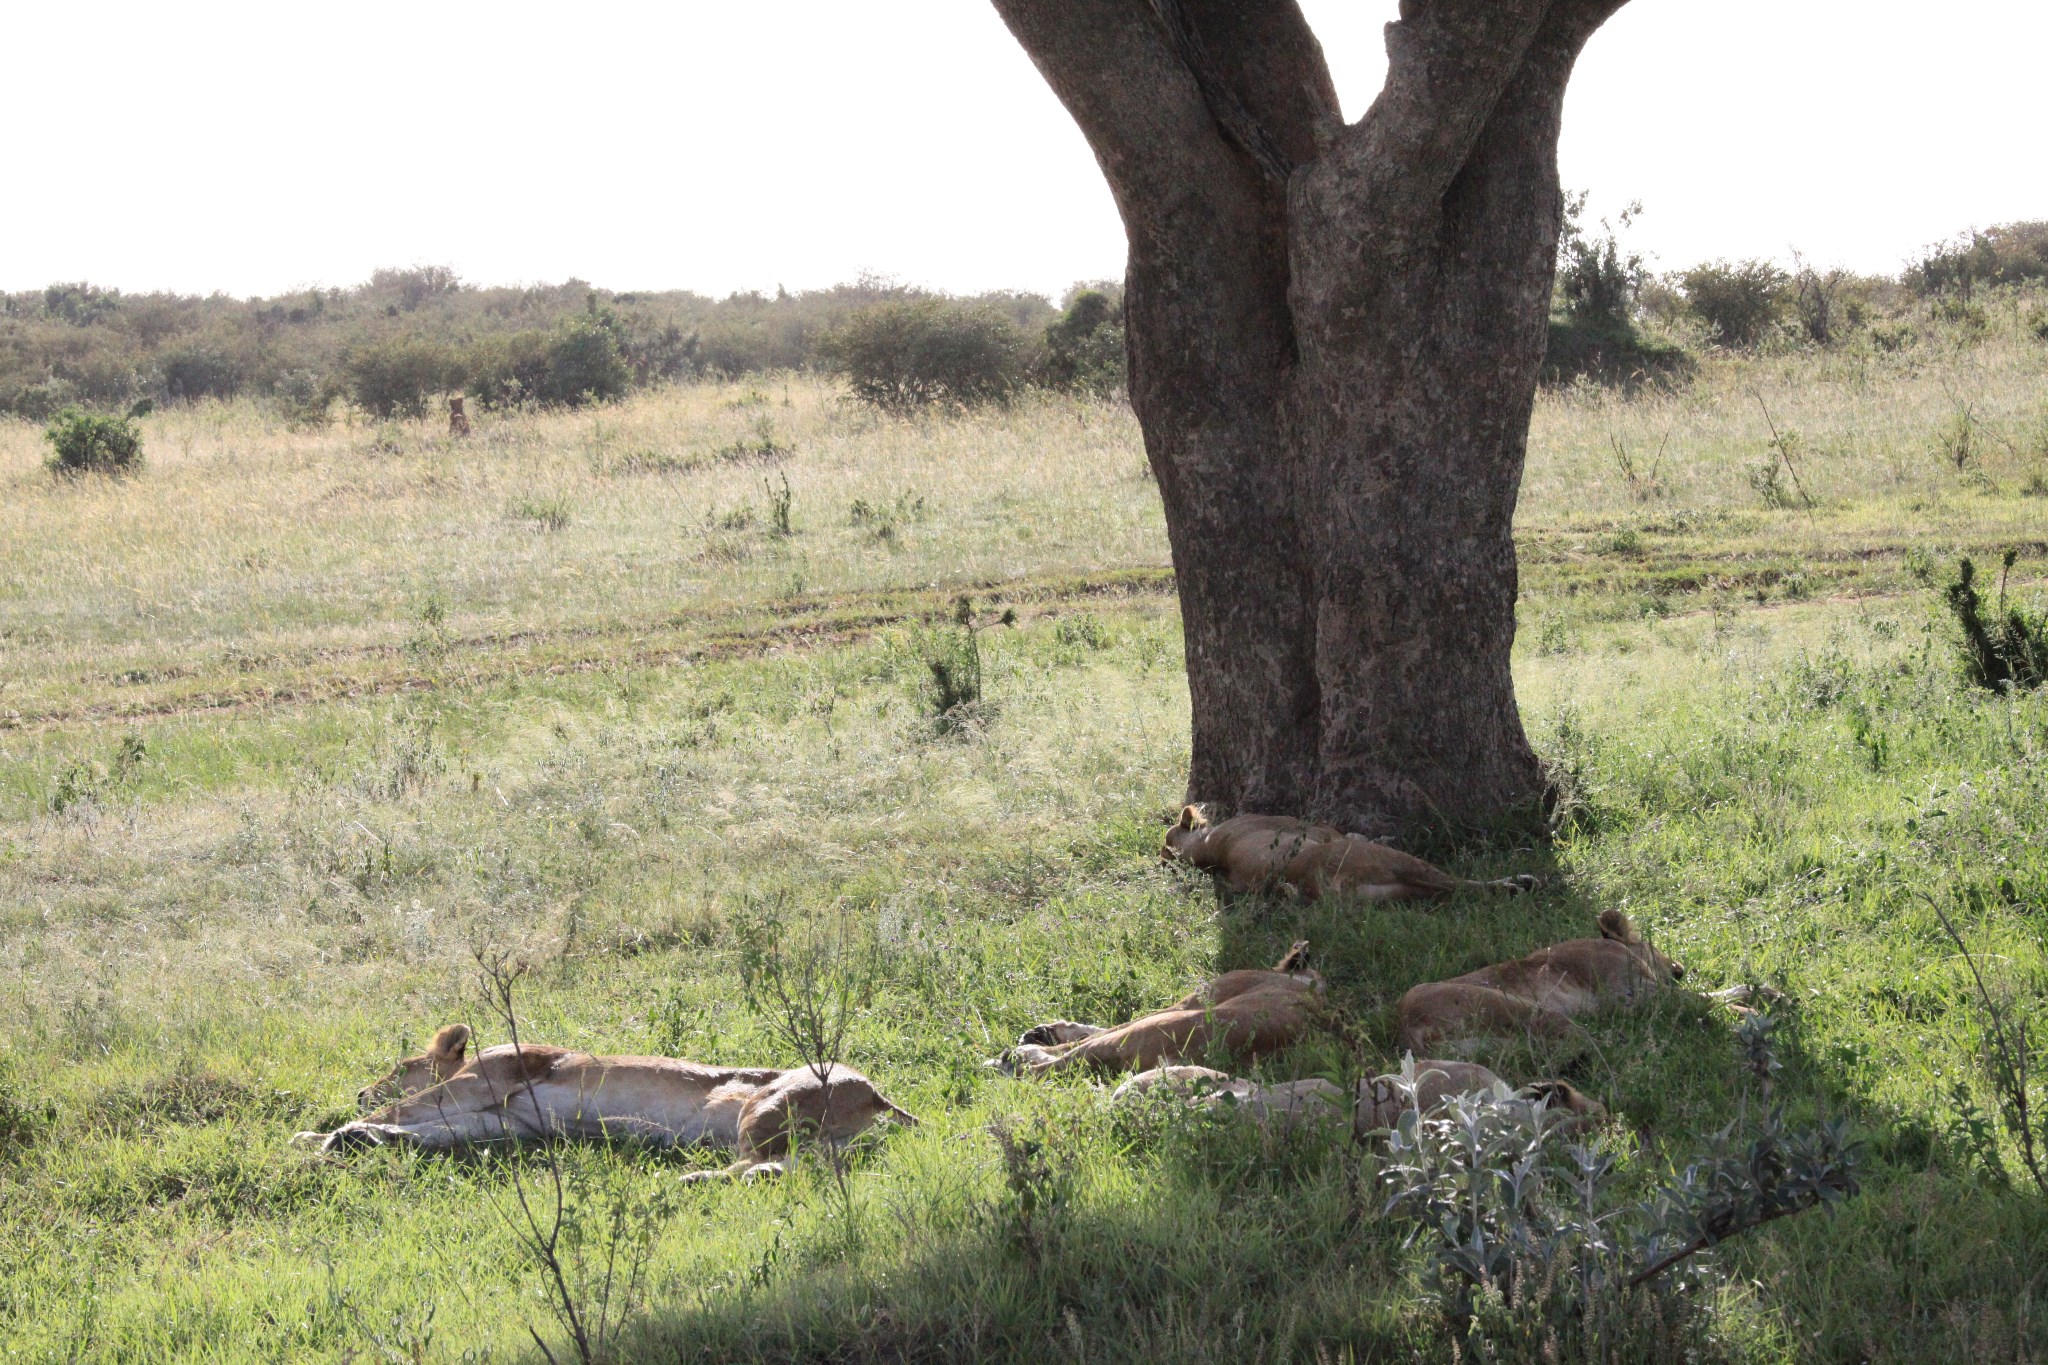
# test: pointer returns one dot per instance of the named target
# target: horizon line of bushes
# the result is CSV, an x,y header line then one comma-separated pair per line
x,y
1614,320
395,344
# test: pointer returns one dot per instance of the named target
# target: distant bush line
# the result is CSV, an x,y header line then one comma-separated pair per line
x,y
1613,321
396,345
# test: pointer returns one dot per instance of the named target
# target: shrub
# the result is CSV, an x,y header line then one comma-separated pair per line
x,y
303,398
2011,253
1084,348
1592,327
575,362
411,287
1530,1253
39,401
1740,301
397,376
952,659
1595,278
2006,653
200,372
1814,300
922,353
93,442
584,363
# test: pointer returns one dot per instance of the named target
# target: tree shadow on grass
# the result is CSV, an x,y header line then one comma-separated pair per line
x,y
1937,1259
1223,1251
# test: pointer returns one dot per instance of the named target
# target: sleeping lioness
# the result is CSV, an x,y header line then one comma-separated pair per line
x,y
1378,1102
1539,993
1268,852
443,1099
1246,1013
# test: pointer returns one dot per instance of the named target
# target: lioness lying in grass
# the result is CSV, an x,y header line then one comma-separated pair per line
x,y
1268,852
1247,1014
1378,1101
1540,993
442,1099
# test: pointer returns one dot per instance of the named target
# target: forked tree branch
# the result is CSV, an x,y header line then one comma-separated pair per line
x,y
1229,112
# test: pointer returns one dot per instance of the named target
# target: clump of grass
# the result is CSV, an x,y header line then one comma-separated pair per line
x,y
1038,1185
1959,442
651,462
884,519
548,514
2007,652
23,1121
2010,1065
185,1098
1081,634
764,448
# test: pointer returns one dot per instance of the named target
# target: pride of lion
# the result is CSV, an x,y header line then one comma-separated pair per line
x,y
445,1098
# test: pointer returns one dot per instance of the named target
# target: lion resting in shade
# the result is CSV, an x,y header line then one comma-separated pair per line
x,y
1543,992
1247,1014
1267,852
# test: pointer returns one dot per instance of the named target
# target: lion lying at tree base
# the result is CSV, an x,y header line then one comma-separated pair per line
x,y
1252,853
443,1099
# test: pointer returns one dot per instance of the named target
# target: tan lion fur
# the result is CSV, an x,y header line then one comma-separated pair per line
x,y
1250,853
1247,1014
441,1100
1539,993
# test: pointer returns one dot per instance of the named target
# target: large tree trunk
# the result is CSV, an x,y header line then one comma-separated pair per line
x,y
1334,339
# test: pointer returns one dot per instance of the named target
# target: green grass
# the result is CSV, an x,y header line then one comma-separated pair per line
x,y
336,791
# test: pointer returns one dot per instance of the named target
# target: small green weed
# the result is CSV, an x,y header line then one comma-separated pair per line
x,y
780,501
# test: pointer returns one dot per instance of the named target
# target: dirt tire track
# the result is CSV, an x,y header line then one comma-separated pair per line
x,y
481,660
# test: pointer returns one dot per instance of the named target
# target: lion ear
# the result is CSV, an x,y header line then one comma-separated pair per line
x,y
1615,925
1296,959
1193,816
449,1045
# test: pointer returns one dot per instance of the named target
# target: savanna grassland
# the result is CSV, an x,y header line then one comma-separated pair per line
x,y
298,722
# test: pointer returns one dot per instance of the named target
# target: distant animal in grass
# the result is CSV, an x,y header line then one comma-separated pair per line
x,y
1250,853
1376,1102
445,1099
1245,1014
1542,993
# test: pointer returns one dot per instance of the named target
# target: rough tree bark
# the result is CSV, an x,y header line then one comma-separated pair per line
x,y
1334,333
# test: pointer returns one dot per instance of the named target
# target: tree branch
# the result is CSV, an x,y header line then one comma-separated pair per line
x,y
1447,63
1135,100
1261,72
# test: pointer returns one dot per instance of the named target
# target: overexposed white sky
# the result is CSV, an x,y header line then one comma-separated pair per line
x,y
254,148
